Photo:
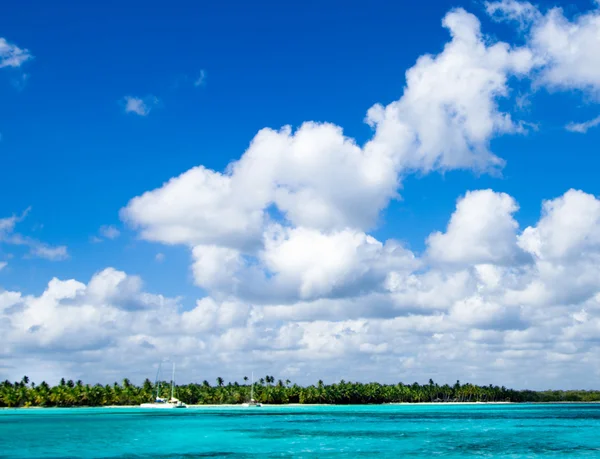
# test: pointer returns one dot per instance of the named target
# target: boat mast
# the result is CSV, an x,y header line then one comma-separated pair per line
x,y
156,381
173,381
252,389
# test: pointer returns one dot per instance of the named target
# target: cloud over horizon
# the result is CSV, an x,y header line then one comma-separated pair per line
x,y
479,318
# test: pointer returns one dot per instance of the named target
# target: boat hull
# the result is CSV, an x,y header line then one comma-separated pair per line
x,y
162,406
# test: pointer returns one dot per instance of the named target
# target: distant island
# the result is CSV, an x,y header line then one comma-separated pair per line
x,y
266,390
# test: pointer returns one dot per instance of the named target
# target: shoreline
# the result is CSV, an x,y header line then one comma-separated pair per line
x,y
300,405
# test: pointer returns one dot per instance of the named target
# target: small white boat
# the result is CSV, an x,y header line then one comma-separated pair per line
x,y
163,403
252,402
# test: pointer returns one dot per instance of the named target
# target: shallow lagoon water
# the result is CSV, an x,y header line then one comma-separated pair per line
x,y
412,431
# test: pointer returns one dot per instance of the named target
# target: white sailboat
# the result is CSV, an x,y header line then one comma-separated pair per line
x,y
252,402
162,402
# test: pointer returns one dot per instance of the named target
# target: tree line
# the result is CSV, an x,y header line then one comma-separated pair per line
x,y
266,390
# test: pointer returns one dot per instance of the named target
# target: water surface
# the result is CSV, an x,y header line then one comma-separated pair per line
x,y
412,431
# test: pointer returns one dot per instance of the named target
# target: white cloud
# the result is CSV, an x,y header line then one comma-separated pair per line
x,y
140,106
11,55
341,263
215,267
198,207
450,101
50,253
481,230
568,47
344,304
569,228
564,49
201,80
522,12
302,264
37,248
3,265
582,128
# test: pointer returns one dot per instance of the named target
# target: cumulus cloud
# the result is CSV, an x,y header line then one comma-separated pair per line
x,y
302,264
138,105
342,303
481,230
563,48
11,55
568,48
569,228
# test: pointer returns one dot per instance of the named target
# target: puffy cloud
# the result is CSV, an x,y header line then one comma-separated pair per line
x,y
138,105
342,304
450,102
3,265
564,48
11,55
317,265
302,264
476,312
198,207
217,268
569,228
481,230
568,48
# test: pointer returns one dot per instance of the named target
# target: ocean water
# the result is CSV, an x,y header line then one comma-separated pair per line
x,y
411,431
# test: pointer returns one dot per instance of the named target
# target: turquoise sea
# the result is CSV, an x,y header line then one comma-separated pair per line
x,y
412,431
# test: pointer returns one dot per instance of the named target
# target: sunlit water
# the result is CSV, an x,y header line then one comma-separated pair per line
x,y
424,431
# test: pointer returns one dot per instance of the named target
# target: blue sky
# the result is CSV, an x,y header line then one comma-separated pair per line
x,y
73,154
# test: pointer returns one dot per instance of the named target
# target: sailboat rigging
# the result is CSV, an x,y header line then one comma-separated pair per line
x,y
160,402
252,402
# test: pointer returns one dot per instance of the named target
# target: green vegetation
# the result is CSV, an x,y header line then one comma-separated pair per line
x,y
69,393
